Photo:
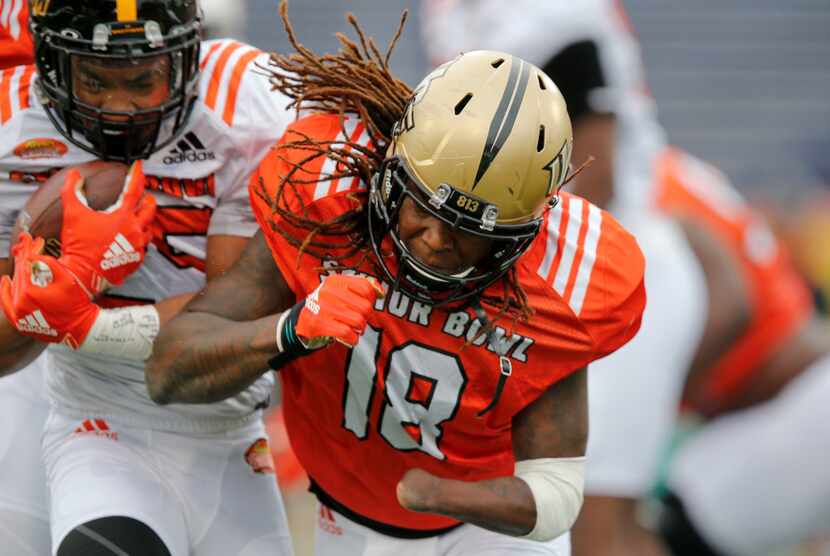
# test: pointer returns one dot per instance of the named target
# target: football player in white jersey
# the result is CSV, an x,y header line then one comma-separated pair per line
x,y
127,80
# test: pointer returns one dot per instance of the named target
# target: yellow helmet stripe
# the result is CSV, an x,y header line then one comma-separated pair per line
x,y
126,10
505,116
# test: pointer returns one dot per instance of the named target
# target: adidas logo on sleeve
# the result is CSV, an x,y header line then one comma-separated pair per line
x,y
35,323
121,252
189,149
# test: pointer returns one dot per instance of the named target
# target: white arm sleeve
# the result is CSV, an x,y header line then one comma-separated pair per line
x,y
126,333
557,485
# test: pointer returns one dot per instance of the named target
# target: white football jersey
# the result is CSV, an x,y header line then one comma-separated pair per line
x,y
538,31
200,185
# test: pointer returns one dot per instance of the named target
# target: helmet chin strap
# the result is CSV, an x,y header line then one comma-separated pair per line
x,y
505,366
435,278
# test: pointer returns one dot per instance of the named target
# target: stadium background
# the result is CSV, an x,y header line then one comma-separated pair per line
x,y
741,83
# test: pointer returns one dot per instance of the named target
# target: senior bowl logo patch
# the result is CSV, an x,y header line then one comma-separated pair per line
x,y
34,149
259,457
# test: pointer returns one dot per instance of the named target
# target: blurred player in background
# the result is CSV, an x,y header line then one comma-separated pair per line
x,y
123,81
224,19
15,40
757,315
433,369
24,510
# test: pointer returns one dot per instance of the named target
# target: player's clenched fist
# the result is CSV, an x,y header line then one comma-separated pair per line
x,y
337,310
45,300
105,247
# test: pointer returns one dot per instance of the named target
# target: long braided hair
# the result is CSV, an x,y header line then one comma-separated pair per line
x,y
355,80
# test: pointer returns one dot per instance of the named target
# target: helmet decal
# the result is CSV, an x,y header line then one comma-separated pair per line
x,y
407,122
126,10
40,7
504,118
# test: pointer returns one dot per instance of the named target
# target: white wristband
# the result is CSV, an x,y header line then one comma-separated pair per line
x,y
126,333
280,323
557,485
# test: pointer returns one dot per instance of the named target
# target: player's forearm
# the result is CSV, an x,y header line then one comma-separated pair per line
x,y
16,350
504,505
203,358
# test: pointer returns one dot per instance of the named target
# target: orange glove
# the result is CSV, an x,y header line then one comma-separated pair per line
x,y
104,247
337,310
45,300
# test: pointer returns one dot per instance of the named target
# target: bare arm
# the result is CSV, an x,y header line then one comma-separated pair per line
x,y
554,426
729,308
222,341
18,350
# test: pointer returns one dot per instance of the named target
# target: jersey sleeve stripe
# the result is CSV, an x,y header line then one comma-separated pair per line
x,y
5,94
5,12
583,231
22,19
329,165
563,271
589,257
236,81
216,76
552,243
361,137
209,55
25,87
13,24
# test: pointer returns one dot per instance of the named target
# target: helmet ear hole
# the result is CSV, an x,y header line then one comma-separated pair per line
x,y
497,63
463,103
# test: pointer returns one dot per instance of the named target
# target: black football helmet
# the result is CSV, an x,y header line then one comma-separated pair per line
x,y
116,32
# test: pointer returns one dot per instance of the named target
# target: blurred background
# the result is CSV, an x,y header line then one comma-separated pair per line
x,y
741,83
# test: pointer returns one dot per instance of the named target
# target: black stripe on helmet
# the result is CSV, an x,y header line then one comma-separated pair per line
x,y
505,116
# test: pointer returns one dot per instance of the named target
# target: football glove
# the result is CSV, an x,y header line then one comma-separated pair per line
x,y
45,300
337,310
104,247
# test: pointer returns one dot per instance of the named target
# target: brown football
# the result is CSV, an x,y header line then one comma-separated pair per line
x,y
43,214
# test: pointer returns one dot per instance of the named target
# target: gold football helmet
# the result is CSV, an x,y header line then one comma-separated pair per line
x,y
484,144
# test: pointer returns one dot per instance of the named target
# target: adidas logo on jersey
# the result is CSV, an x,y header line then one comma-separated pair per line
x,y
36,324
96,427
121,252
189,149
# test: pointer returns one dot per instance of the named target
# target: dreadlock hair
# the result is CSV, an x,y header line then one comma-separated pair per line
x,y
355,80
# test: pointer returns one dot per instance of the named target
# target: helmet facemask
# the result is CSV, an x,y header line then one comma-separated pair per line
x,y
459,210
122,135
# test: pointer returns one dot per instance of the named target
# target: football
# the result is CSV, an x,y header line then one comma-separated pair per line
x,y
43,214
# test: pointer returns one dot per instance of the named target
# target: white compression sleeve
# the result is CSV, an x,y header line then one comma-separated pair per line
x,y
126,333
557,485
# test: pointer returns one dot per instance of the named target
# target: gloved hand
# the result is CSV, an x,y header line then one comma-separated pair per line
x,y
104,247
336,311
45,300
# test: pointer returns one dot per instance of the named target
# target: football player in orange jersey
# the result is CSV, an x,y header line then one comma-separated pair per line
x,y
429,316
759,331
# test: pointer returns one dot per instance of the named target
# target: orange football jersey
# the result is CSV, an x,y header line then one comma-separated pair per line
x,y
780,300
409,394
16,48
